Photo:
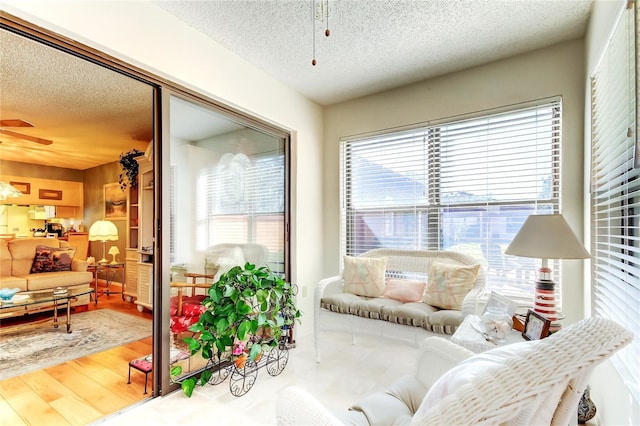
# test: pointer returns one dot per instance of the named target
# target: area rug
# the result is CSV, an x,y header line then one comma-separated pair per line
x,y
41,346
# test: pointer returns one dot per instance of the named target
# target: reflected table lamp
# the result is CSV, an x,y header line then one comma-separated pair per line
x,y
104,231
546,237
114,251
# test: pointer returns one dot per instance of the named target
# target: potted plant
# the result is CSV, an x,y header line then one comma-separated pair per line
x,y
130,167
247,311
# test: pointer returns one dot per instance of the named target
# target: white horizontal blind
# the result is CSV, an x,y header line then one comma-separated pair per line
x,y
244,203
615,195
465,185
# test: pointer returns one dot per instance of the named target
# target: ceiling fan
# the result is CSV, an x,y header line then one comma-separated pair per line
x,y
21,123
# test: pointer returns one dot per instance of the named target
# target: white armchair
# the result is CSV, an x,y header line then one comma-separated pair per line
x,y
537,382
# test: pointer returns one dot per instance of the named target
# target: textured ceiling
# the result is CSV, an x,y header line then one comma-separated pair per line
x,y
93,114
90,113
377,45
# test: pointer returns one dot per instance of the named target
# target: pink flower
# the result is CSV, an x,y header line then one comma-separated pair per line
x,y
238,348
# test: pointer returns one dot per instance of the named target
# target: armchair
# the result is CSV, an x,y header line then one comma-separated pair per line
x,y
186,310
534,382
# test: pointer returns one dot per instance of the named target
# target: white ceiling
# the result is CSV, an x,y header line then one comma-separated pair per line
x,y
93,114
377,45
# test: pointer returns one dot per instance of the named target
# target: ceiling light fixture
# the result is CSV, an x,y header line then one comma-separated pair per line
x,y
319,12
8,191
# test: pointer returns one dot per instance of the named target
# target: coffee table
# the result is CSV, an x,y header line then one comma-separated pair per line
x,y
32,301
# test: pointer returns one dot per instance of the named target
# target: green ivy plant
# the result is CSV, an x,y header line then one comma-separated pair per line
x,y
247,311
130,167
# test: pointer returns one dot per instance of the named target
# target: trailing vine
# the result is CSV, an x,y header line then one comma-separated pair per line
x,y
130,167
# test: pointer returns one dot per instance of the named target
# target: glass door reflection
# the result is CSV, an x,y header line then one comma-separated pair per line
x,y
227,207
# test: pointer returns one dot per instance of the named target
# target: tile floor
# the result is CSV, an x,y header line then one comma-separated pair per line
x,y
346,374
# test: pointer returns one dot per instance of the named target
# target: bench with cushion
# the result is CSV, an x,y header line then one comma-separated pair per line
x,y
402,294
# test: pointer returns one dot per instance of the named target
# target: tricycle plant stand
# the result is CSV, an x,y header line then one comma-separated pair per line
x,y
247,324
242,378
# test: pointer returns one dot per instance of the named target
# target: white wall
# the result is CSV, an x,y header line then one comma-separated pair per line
x,y
557,70
144,35
615,404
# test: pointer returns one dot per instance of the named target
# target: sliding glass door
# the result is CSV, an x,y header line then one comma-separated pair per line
x,y
224,203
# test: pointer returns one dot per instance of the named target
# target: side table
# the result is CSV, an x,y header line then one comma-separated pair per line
x,y
468,337
110,270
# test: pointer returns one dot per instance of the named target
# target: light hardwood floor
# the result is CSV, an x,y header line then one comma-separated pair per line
x,y
80,391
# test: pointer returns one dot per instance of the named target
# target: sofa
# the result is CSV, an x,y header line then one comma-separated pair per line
x,y
400,294
33,264
530,383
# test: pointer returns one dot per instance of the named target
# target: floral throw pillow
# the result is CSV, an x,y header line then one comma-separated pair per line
x,y
364,276
448,284
52,259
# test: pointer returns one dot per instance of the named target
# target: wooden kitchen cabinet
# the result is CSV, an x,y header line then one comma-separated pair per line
x,y
47,192
67,212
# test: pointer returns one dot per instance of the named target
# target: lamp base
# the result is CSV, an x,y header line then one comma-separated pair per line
x,y
103,260
545,298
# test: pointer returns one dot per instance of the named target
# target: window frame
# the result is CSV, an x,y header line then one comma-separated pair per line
x,y
435,208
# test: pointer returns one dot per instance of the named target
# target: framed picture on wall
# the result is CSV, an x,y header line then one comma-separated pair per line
x,y
115,202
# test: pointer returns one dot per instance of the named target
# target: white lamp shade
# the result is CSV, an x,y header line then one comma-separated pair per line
x,y
547,237
114,250
103,230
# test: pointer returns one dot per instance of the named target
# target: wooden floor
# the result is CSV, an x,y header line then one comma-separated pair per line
x,y
81,391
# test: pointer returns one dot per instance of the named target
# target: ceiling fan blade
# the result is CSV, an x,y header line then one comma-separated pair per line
x,y
26,137
16,122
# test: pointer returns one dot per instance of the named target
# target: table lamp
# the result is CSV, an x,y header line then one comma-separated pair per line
x,y
546,236
113,251
104,231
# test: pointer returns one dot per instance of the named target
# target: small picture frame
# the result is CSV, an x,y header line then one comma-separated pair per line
x,y
536,326
499,301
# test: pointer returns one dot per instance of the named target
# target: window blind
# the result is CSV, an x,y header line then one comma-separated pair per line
x,y
242,201
615,194
466,185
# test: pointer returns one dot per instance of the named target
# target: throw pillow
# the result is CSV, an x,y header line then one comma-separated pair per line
x,y
52,259
404,290
364,276
448,284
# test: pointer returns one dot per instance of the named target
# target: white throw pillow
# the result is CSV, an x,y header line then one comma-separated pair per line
x,y
364,276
